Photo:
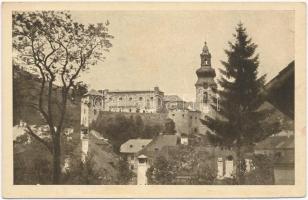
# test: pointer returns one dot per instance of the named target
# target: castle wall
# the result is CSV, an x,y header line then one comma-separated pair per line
x,y
148,118
187,122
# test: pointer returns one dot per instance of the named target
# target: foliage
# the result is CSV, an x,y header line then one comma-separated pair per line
x,y
79,90
120,128
198,165
125,174
30,165
262,172
84,173
162,172
57,49
169,127
206,175
240,97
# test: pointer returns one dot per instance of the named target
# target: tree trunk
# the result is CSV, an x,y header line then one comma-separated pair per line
x,y
239,166
56,159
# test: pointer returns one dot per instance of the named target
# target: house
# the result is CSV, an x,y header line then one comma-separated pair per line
x,y
280,148
160,146
184,139
131,148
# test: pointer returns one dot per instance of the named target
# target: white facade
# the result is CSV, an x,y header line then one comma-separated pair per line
x,y
84,148
141,171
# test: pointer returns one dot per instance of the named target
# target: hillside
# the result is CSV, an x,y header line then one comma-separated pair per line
x,y
26,88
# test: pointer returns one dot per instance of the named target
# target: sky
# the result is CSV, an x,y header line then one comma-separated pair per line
x,y
162,48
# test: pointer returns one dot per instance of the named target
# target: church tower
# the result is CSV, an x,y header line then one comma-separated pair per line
x,y
205,85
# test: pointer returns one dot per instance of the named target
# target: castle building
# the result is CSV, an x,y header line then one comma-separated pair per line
x,y
134,101
186,117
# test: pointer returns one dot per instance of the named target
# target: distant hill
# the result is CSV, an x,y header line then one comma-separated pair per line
x,y
26,88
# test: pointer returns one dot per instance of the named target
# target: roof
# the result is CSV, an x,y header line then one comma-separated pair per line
x,y
97,135
275,115
172,98
134,145
18,131
142,156
104,159
130,91
93,92
276,142
159,143
280,90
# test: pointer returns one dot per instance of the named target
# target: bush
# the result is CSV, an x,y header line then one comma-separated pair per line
x,y
263,172
162,172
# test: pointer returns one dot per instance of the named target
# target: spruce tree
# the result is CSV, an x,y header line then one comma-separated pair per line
x,y
239,121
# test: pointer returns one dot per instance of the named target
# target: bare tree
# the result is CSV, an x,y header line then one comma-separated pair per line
x,y
57,49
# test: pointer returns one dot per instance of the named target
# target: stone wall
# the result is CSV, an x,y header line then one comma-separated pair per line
x,y
148,118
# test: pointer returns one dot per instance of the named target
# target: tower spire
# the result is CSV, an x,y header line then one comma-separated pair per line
x,y
205,56
205,49
205,73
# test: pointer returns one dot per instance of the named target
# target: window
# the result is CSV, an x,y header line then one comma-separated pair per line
x,y
152,98
110,99
120,98
205,97
130,110
183,115
95,112
130,98
173,115
142,146
131,146
132,167
140,98
156,149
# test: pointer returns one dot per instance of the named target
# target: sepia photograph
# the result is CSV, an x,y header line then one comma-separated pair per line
x,y
144,97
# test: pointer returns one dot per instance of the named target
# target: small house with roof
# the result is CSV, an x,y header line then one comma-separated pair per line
x,y
160,146
130,150
280,148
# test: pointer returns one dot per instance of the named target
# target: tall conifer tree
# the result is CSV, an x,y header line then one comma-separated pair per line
x,y
239,121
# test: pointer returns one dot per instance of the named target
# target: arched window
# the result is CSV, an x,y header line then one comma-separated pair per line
x,y
205,97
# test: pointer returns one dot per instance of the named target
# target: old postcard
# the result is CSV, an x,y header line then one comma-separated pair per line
x,y
154,100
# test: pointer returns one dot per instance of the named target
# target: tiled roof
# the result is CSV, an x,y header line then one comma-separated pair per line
x,y
276,142
134,145
172,98
93,92
158,143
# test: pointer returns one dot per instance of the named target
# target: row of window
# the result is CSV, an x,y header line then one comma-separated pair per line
x,y
183,115
130,98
